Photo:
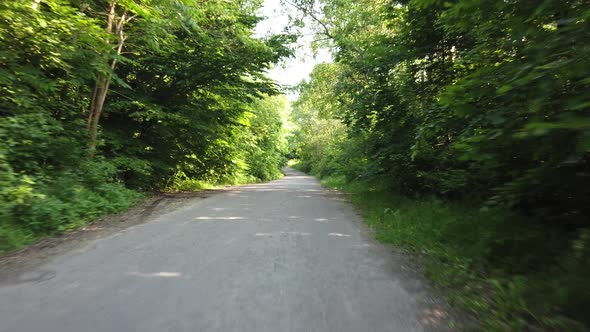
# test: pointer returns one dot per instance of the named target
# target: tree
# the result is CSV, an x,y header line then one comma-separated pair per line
x,y
159,90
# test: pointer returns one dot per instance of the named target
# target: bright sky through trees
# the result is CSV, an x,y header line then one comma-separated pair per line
x,y
290,71
481,107
466,109
103,100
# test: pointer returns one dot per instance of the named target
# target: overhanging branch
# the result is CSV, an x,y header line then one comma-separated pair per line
x,y
311,15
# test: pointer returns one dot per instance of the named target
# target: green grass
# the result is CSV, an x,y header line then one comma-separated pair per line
x,y
58,210
509,273
183,183
31,212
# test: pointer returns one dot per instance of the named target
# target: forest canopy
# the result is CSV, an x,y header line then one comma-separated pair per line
x,y
484,98
460,127
480,104
102,100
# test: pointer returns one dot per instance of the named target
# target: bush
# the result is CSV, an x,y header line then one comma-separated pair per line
x,y
510,273
30,209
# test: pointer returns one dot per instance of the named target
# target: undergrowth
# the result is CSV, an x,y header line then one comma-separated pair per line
x,y
31,209
182,183
45,211
511,274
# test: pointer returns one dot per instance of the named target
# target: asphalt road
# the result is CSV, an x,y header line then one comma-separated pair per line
x,y
282,256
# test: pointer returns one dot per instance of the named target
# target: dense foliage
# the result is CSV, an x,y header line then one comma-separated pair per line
x,y
482,102
102,99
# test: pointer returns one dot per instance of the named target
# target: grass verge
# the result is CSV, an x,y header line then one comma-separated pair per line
x,y
50,213
29,214
511,274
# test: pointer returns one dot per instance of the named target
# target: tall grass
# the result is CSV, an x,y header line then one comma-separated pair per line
x,y
511,274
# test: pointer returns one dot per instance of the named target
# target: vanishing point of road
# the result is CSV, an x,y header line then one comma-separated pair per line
x,y
287,255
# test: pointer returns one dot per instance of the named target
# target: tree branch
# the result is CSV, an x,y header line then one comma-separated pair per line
x,y
313,16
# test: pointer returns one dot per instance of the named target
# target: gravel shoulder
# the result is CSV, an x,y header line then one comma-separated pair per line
x,y
14,265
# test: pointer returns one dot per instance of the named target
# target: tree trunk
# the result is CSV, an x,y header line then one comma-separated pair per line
x,y
101,86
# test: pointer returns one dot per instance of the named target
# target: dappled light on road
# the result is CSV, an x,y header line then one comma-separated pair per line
x,y
434,317
293,259
282,233
157,274
219,218
339,235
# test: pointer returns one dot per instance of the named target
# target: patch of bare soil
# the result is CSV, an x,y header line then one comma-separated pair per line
x,y
38,253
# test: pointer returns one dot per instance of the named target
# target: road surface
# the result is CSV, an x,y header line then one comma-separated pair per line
x,y
281,256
